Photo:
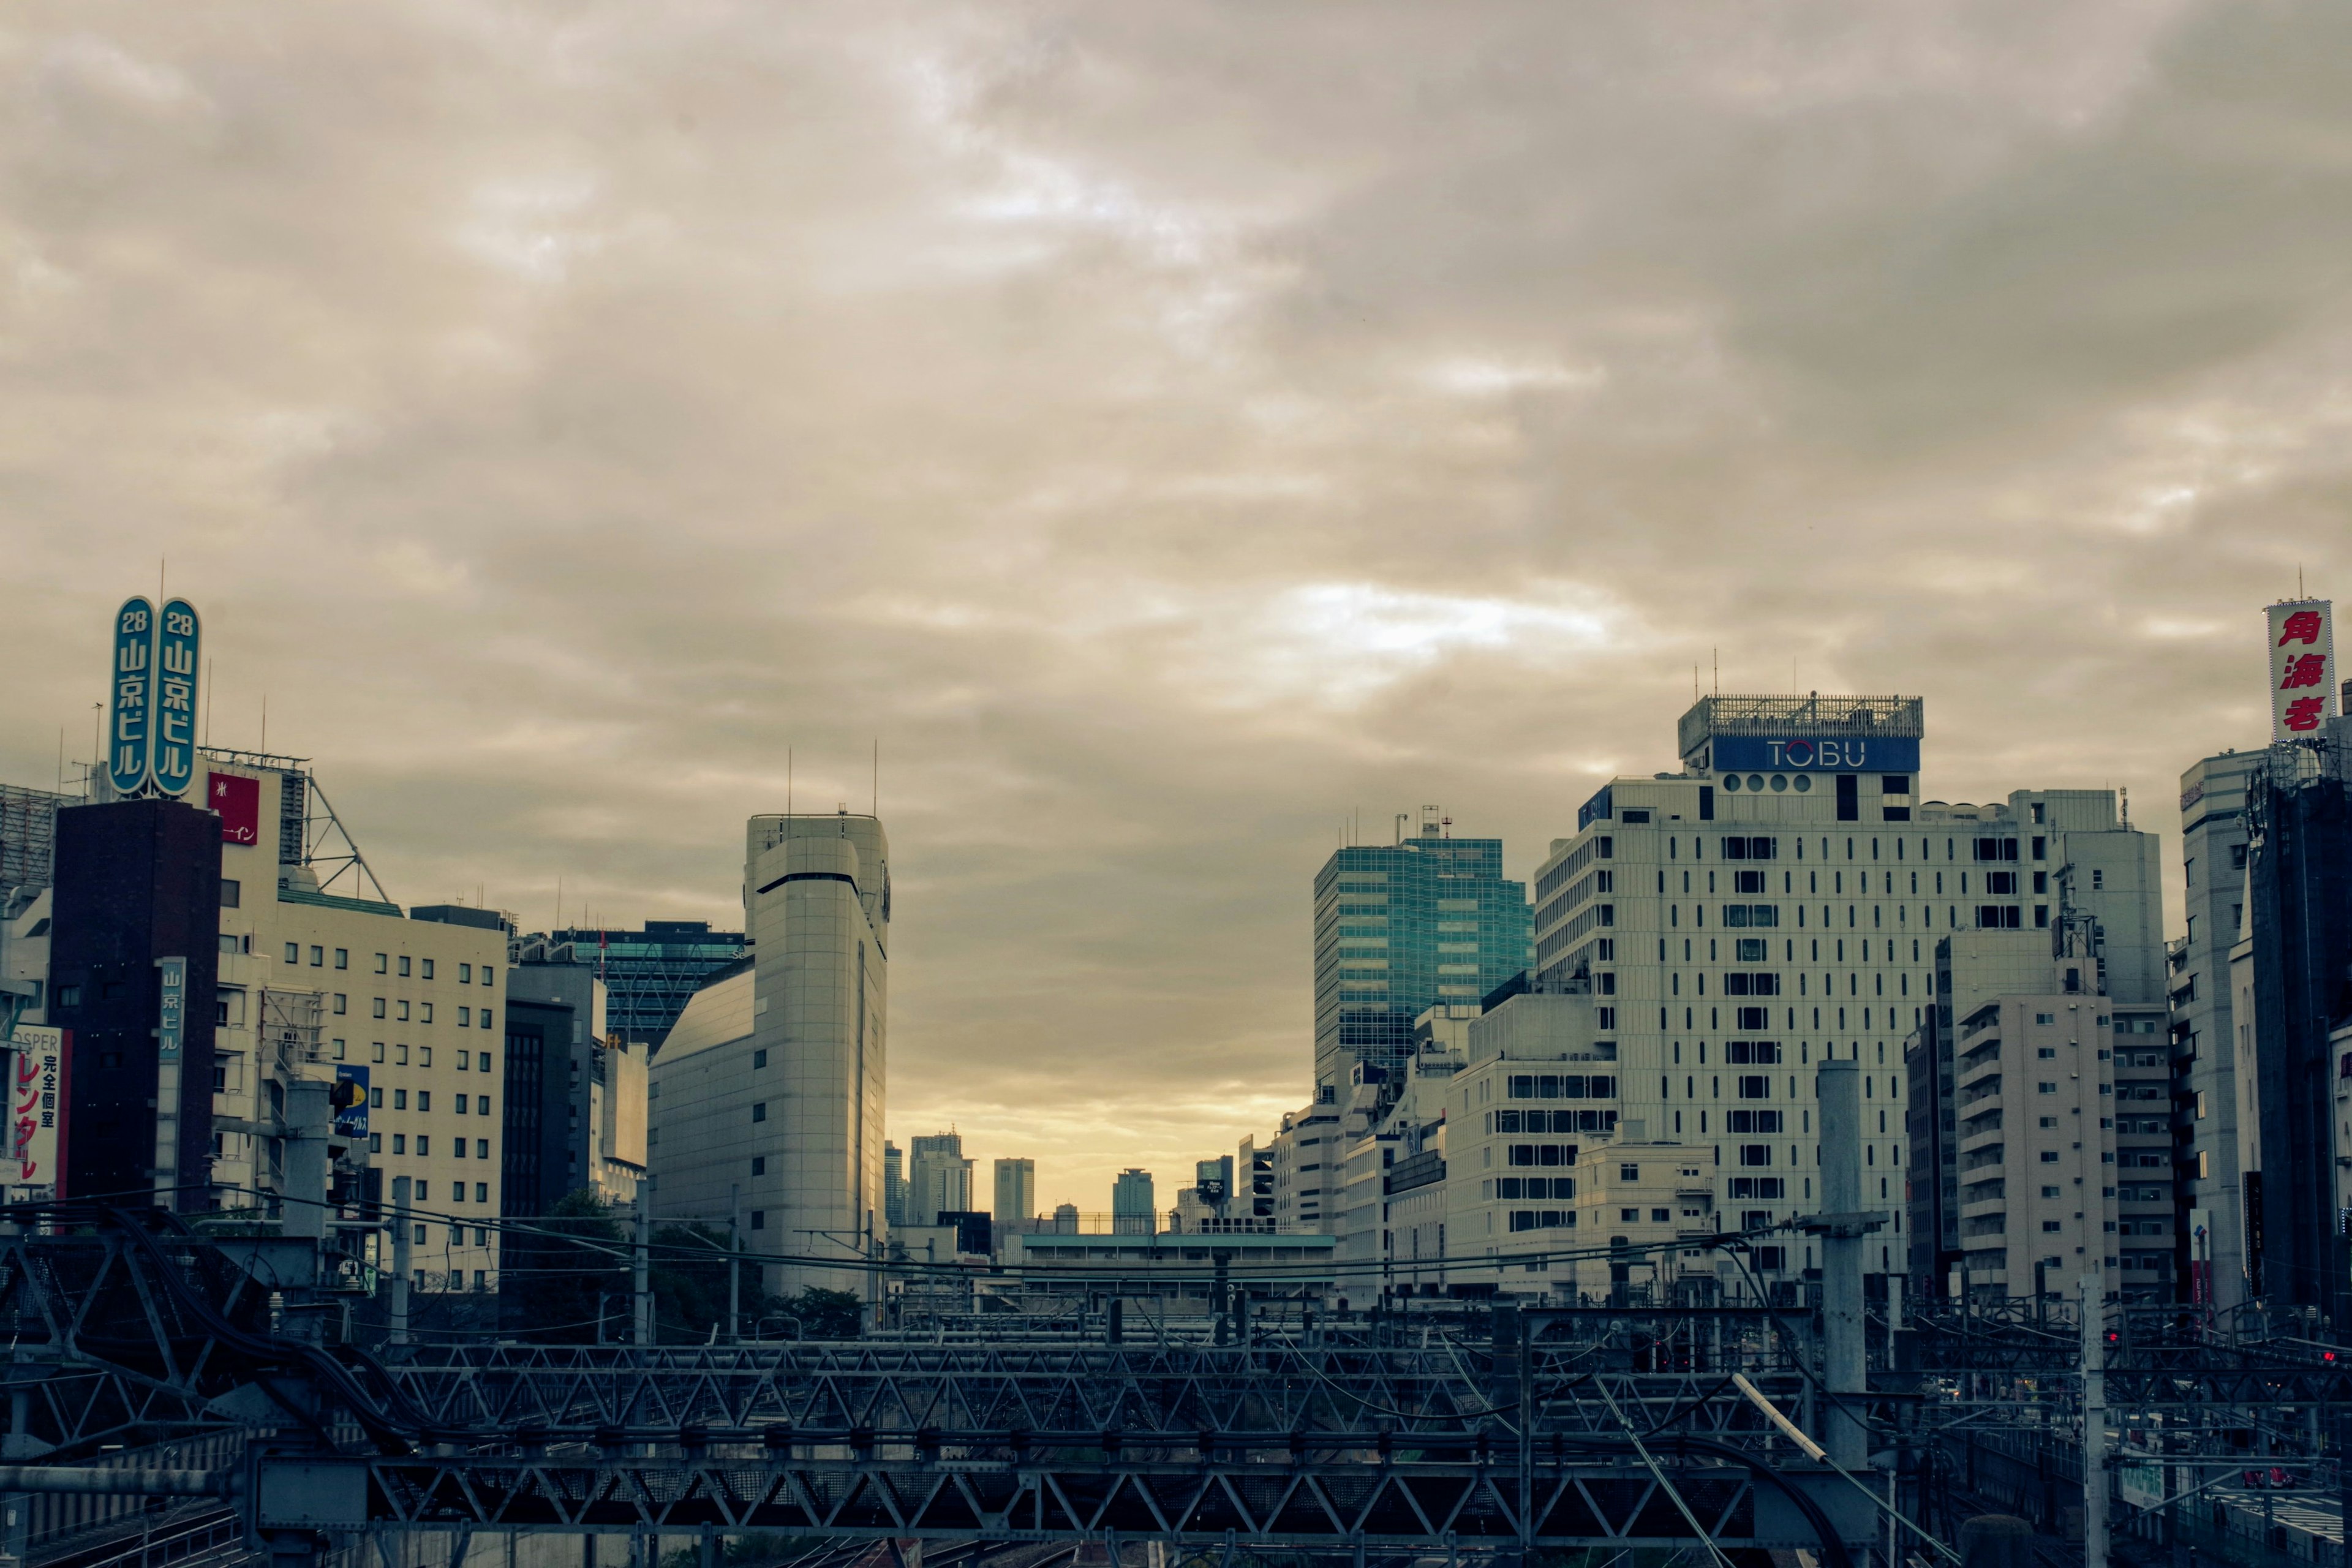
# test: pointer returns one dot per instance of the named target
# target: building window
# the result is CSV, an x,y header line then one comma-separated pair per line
x,y
424,1099
375,1099
378,1049
759,1164
426,1015
378,1009
486,974
485,1024
338,1049
423,1146
465,1020
484,1057
380,963
293,953
760,1111
400,1143
232,893
375,1142
758,1219
400,1055
481,1104
760,1058
429,969
404,1010
318,957
482,1190
404,966
481,1148
465,974
463,1107
399,1099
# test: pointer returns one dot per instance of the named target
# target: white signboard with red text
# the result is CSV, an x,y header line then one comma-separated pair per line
x,y
37,1105
2302,668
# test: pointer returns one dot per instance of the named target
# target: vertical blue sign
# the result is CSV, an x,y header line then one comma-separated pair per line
x,y
175,697
172,1015
132,727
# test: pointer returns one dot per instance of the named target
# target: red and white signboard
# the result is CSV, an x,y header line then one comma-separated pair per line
x,y
36,1107
2302,668
238,800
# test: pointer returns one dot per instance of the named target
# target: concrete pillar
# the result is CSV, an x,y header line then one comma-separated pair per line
x,y
1843,1350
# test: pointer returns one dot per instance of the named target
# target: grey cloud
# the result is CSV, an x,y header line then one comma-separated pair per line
x,y
1167,427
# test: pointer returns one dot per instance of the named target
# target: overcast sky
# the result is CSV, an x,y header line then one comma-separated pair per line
x,y
1166,429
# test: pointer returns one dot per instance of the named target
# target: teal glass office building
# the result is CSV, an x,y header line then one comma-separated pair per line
x,y
650,975
1398,929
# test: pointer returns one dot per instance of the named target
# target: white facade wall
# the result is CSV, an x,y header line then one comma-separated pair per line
x,y
770,1094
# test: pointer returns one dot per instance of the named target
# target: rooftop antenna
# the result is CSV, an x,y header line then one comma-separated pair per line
x,y
1401,818
788,781
1718,654
877,777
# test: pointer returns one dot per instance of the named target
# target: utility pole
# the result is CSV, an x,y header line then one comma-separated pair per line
x,y
1844,1351
400,1236
640,1270
2094,1425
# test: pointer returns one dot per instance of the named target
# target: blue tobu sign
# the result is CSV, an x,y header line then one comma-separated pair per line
x,y
175,697
130,725
1809,755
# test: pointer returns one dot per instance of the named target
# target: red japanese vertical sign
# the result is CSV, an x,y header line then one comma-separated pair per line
x,y
2302,668
36,1131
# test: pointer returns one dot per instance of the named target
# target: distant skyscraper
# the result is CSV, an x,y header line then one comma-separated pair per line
x,y
1400,927
1016,1193
938,1178
1131,1206
894,1184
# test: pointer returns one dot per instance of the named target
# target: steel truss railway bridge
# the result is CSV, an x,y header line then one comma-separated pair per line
x,y
1519,1431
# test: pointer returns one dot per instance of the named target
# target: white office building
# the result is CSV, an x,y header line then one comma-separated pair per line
x,y
1776,901
768,1096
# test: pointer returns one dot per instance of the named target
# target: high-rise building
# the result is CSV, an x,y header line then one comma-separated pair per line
x,y
769,1092
2101,877
2058,1161
1132,1210
137,940
649,976
938,1178
2213,841
1016,1194
1776,902
894,1184
2293,1017
1402,927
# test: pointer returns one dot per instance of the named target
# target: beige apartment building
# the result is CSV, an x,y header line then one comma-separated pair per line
x,y
2063,1100
320,981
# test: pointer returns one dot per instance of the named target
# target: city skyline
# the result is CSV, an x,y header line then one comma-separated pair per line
x,y
1158,507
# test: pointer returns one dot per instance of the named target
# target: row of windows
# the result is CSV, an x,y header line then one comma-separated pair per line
x,y
480,1102
400,1140
1560,1085
1546,1122
1543,1219
467,1060
383,964
1541,1155
1513,1187
420,1191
